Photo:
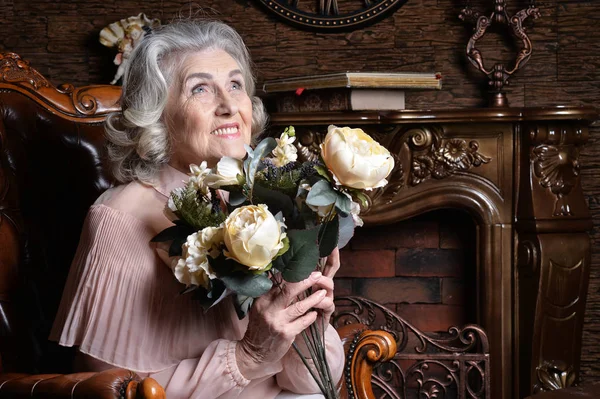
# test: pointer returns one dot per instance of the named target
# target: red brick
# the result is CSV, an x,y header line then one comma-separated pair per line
x,y
367,263
410,234
434,317
399,289
429,262
453,291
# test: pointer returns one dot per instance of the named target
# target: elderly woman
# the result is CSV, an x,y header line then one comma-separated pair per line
x,y
188,96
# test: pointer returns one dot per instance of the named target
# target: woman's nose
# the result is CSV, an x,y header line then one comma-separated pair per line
x,y
226,105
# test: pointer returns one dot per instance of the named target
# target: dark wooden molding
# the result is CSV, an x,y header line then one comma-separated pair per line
x,y
516,172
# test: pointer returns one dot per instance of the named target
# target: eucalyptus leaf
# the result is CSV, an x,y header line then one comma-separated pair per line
x,y
252,162
236,198
328,236
302,256
321,194
253,285
346,231
343,204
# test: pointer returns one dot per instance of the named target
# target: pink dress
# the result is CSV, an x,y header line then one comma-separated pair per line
x,y
122,306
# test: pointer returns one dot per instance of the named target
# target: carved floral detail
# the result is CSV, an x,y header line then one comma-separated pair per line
x,y
557,167
14,69
436,157
554,375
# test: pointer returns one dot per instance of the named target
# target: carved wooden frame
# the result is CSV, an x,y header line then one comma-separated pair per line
x,y
516,172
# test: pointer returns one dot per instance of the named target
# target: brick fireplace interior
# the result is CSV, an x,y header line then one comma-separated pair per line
x,y
422,268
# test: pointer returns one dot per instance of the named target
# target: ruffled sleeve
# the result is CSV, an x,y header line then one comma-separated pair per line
x,y
122,306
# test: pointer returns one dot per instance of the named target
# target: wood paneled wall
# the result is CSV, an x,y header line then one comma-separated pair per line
x,y
60,38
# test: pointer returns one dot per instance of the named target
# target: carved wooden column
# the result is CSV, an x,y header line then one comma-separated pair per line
x,y
501,166
553,254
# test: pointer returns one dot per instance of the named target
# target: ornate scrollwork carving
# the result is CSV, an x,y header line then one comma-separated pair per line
x,y
499,74
434,156
14,69
554,375
425,365
557,167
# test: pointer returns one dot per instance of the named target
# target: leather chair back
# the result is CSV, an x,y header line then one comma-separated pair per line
x,y
52,168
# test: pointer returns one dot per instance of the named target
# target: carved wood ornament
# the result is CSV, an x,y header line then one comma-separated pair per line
x,y
330,15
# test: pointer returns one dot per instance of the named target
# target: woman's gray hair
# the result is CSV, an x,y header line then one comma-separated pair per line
x,y
138,141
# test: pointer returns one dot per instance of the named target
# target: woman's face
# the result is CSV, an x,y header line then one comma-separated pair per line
x,y
208,113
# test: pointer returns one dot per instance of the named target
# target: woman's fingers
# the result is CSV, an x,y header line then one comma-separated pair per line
x,y
289,291
302,323
333,263
300,307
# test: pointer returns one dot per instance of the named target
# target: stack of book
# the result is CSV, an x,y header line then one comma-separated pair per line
x,y
348,91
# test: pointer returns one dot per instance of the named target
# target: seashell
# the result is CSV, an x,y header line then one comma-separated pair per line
x,y
112,35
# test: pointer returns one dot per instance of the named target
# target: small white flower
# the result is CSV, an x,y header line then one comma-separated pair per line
x,y
171,210
198,175
285,152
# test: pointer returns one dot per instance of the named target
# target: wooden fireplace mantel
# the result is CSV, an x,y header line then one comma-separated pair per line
x,y
516,171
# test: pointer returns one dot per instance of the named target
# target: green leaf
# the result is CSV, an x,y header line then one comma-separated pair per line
x,y
328,236
323,171
302,256
364,200
173,232
242,305
276,201
253,285
175,247
321,194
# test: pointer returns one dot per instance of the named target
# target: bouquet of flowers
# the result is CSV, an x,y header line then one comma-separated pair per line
x,y
248,224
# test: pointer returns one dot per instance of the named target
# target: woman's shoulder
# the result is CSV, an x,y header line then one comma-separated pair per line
x,y
134,201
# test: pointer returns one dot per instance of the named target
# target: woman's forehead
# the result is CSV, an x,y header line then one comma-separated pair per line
x,y
210,62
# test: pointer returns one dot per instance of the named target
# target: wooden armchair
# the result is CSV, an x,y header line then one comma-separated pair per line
x,y
51,171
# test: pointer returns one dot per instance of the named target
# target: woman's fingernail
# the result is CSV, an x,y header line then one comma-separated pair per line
x,y
316,275
322,292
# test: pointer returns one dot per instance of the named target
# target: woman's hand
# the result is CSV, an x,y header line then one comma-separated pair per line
x,y
277,317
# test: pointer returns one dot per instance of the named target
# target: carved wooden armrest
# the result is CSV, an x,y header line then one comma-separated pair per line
x,y
364,350
114,383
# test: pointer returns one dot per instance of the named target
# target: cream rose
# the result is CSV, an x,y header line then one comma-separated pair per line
x,y
355,159
193,267
253,236
225,174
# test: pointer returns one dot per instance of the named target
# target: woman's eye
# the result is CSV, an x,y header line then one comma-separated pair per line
x,y
199,89
236,86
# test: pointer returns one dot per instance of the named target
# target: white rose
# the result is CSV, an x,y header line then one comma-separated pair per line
x,y
225,174
355,159
193,267
253,236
